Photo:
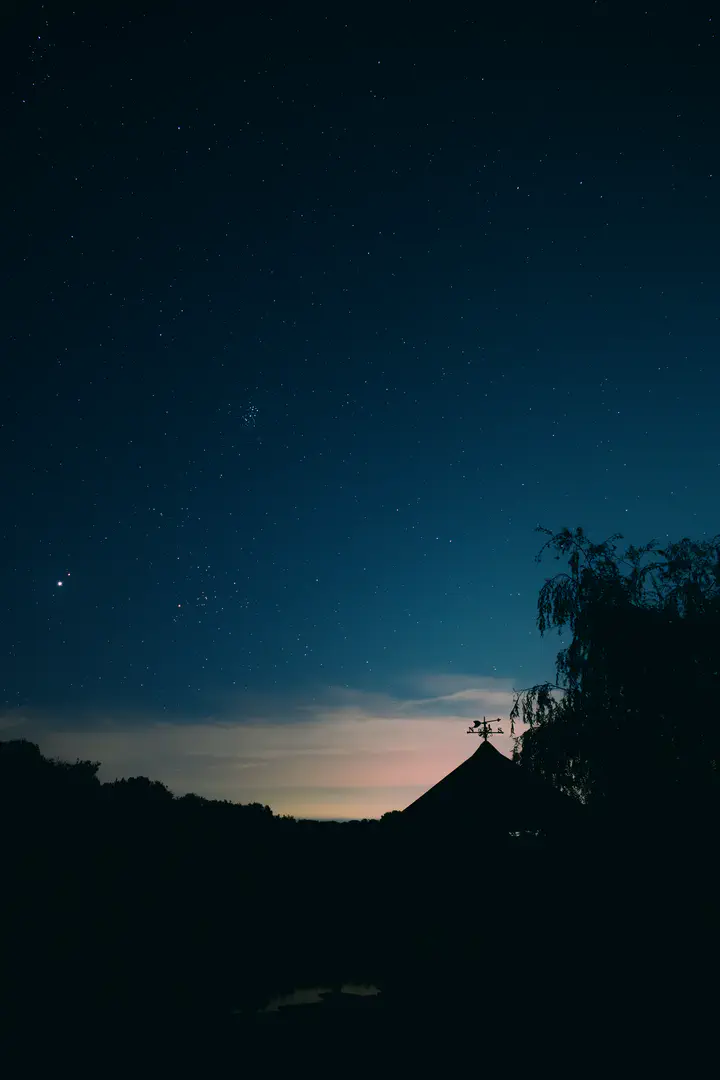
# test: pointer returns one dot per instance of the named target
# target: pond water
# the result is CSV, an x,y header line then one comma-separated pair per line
x,y
310,995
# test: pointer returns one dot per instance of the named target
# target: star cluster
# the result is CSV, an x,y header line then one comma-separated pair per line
x,y
312,319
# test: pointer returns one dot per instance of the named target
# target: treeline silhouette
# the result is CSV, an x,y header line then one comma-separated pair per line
x,y
126,906
162,903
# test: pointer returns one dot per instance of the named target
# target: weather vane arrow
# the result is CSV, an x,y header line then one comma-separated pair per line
x,y
484,728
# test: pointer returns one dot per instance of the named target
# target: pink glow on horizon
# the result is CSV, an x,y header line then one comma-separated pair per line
x,y
350,755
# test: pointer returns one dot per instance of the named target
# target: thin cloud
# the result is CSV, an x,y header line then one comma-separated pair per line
x,y
347,752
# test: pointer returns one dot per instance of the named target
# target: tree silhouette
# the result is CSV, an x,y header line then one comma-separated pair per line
x,y
629,719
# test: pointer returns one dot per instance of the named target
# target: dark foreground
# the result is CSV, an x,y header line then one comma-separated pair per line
x,y
144,934
507,960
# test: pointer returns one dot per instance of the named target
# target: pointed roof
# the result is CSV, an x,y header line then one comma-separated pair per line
x,y
491,787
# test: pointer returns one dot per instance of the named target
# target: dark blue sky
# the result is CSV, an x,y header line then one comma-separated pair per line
x,y
309,320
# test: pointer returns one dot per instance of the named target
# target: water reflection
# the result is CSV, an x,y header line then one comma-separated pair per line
x,y
312,995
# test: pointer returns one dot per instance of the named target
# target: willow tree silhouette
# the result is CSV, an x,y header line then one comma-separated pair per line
x,y
628,723
629,726
196,906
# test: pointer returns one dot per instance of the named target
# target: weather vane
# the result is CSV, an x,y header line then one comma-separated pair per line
x,y
484,728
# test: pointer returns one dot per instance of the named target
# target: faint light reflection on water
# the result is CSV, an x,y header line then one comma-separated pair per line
x,y
310,995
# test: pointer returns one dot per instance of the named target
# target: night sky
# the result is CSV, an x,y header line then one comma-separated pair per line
x,y
308,320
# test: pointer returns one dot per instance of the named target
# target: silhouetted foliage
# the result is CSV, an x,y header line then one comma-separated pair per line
x,y
629,721
127,905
